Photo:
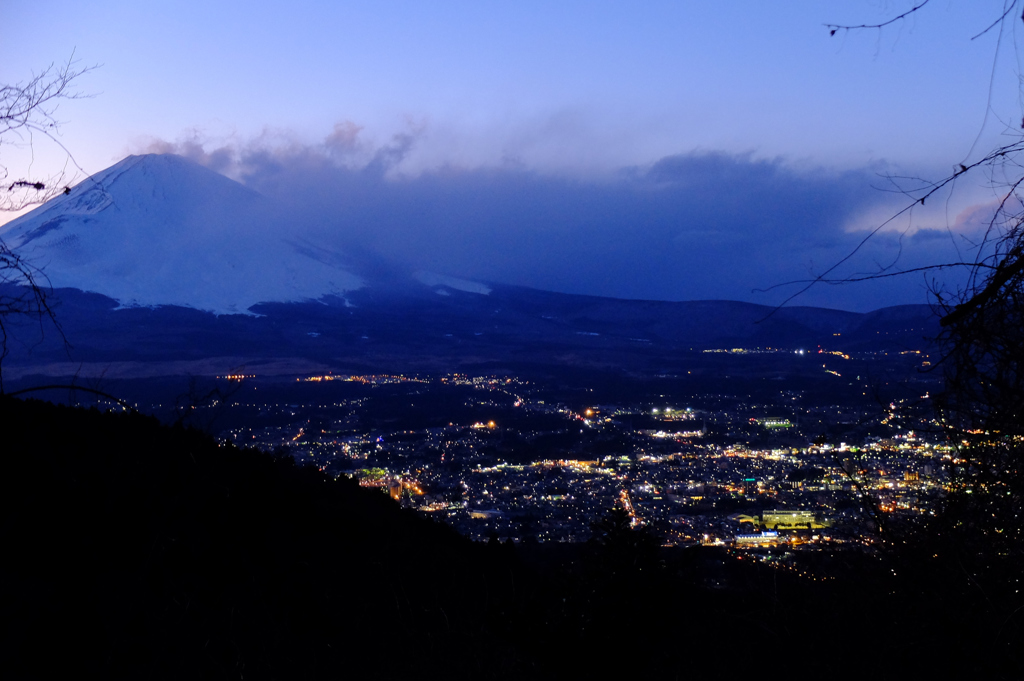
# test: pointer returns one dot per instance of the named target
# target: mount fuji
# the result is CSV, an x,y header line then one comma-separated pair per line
x,y
159,262
162,230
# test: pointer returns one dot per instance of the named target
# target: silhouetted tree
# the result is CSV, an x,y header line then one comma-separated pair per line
x,y
982,337
621,546
28,112
982,406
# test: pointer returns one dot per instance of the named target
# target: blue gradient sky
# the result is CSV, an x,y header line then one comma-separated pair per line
x,y
678,150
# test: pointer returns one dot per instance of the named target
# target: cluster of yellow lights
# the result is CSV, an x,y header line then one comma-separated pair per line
x,y
373,378
681,434
627,505
437,506
564,463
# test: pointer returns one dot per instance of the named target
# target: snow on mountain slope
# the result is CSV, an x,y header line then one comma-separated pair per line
x,y
440,282
161,230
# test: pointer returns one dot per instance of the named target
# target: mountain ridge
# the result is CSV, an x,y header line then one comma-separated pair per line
x,y
387,331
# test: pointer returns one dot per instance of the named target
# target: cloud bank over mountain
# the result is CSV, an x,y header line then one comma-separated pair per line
x,y
700,225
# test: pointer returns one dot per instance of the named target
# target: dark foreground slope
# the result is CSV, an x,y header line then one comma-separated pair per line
x,y
138,551
131,550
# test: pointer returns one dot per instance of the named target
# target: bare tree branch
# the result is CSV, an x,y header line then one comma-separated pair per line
x,y
28,112
872,277
918,197
839,27
981,408
1009,8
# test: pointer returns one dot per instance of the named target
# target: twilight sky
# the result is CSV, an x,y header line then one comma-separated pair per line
x,y
670,150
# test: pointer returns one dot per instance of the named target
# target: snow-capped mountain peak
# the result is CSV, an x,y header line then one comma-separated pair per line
x,y
162,230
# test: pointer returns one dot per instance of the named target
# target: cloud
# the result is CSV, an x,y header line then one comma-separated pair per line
x,y
978,219
273,151
193,147
688,226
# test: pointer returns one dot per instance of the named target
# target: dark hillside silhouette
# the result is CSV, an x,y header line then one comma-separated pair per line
x,y
139,551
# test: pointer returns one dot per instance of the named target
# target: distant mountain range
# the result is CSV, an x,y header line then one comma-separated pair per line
x,y
158,259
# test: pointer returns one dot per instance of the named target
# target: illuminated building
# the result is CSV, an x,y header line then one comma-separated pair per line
x,y
760,539
785,520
